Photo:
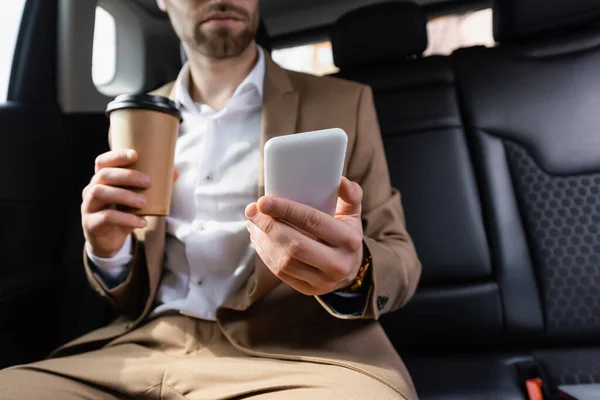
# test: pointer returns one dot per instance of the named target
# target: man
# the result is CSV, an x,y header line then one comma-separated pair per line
x,y
286,311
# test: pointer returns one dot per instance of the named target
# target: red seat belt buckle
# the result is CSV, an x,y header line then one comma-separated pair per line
x,y
534,389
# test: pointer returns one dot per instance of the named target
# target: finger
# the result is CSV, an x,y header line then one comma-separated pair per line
x,y
300,276
100,196
121,177
301,286
350,199
258,241
302,248
115,158
314,222
111,217
175,176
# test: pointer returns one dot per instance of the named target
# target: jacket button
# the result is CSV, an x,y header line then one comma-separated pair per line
x,y
382,302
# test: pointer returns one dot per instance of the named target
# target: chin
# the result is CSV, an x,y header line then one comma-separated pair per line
x,y
223,43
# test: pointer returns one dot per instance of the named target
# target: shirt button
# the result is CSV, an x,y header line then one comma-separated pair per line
x,y
199,283
198,226
208,178
382,302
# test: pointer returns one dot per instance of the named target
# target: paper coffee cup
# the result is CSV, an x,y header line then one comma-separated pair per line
x,y
149,125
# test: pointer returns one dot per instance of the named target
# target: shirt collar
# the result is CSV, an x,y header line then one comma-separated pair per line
x,y
254,80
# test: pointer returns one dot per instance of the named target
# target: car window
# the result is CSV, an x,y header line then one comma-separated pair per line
x,y
11,13
316,59
104,58
452,32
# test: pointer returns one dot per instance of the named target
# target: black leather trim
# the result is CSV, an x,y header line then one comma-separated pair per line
x,y
581,40
513,265
433,172
536,104
467,316
570,366
518,19
474,377
434,70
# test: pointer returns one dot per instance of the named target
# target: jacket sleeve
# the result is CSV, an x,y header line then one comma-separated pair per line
x,y
130,295
396,269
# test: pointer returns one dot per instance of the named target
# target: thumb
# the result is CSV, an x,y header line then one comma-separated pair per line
x,y
350,198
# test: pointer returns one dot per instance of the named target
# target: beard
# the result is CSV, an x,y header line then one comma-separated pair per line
x,y
224,42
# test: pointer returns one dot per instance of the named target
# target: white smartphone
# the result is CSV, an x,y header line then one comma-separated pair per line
x,y
306,167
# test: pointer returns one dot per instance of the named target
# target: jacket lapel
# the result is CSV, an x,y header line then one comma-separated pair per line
x,y
154,238
280,110
279,118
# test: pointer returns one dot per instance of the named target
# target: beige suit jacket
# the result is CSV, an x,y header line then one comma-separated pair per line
x,y
267,318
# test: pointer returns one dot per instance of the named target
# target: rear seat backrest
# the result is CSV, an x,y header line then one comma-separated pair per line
x,y
532,105
458,300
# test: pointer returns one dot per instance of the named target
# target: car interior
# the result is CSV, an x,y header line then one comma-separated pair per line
x,y
495,149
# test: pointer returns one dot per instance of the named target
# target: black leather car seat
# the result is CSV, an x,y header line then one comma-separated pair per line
x,y
532,108
458,307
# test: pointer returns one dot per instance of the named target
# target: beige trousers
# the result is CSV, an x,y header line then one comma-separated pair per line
x,y
177,357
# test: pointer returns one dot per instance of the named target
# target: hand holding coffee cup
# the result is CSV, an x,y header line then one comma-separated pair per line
x,y
133,179
106,228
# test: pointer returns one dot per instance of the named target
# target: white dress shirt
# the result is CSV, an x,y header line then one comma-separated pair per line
x,y
208,250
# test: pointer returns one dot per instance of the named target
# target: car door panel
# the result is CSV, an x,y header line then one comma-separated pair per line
x,y
33,184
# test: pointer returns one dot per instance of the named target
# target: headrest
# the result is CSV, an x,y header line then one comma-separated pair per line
x,y
379,33
517,19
